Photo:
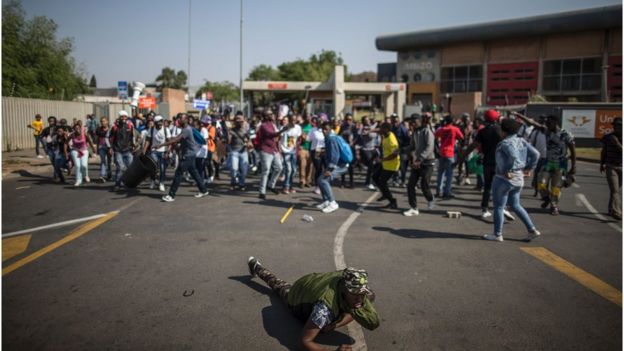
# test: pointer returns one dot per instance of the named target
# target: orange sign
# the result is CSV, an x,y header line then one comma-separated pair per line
x,y
604,118
278,86
148,103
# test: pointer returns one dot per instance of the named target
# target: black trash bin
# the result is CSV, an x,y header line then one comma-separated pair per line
x,y
140,168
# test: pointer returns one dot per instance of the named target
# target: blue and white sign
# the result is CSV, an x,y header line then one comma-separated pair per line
x,y
122,89
201,104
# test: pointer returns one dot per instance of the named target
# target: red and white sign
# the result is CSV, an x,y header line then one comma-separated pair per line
x,y
395,87
148,103
604,118
208,95
277,86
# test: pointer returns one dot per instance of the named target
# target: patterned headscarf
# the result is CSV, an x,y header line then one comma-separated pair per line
x,y
356,281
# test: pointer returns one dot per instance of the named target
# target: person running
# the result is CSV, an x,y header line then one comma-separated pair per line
x,y
333,167
37,127
368,140
48,135
611,165
269,156
448,134
558,141
239,142
188,150
515,158
288,147
421,150
159,134
390,164
80,153
305,160
121,137
324,301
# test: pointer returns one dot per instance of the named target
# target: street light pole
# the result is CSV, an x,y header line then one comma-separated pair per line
x,y
188,66
241,56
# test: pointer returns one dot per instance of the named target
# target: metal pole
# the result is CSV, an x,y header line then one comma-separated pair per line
x,y
241,56
188,67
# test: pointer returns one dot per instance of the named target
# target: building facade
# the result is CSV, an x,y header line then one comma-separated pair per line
x,y
569,56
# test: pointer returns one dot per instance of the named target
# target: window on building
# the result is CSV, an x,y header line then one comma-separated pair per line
x,y
461,79
572,75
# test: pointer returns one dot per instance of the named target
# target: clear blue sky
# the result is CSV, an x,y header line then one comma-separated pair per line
x,y
135,39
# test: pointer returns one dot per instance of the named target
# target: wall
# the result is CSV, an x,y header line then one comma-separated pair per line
x,y
465,102
516,50
581,44
175,99
17,113
463,54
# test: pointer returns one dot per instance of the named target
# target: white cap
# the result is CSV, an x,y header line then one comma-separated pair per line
x,y
123,113
158,118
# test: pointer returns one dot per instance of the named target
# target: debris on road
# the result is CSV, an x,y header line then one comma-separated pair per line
x,y
187,293
453,214
307,218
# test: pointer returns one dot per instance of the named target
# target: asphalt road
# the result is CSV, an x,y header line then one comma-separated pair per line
x,y
122,284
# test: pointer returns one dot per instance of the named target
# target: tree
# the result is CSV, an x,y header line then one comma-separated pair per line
x,y
221,91
93,82
263,73
34,62
168,78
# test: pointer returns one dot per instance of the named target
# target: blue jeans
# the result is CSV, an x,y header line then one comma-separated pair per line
x,y
59,162
271,163
187,163
504,193
290,165
239,163
122,162
200,164
105,162
37,142
324,183
445,169
81,163
159,158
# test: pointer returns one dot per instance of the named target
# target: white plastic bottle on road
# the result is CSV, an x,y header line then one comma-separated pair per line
x,y
307,218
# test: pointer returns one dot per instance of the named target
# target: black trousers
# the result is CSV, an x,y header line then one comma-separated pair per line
x,y
488,176
367,157
424,175
380,178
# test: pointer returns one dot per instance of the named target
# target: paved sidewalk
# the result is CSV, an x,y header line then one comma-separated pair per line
x,y
23,163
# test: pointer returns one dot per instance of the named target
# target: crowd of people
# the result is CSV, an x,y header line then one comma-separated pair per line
x,y
290,151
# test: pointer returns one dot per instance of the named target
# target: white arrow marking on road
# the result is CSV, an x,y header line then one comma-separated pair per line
x,y
54,225
354,329
582,200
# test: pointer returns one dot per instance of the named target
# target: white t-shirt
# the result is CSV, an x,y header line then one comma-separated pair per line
x,y
317,139
203,150
159,137
288,141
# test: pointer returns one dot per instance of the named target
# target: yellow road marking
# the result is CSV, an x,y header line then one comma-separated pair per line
x,y
584,278
76,233
286,214
12,247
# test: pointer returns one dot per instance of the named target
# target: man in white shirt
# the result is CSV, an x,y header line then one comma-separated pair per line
x,y
288,147
156,136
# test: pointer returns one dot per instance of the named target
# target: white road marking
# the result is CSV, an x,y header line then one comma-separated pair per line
x,y
55,225
354,329
574,185
582,200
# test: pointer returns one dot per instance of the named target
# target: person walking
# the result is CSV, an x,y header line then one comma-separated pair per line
x,y
515,159
269,156
121,137
369,142
239,143
611,165
334,166
159,134
317,145
104,149
448,135
288,147
188,151
421,150
37,127
80,153
349,134
402,135
305,160
390,164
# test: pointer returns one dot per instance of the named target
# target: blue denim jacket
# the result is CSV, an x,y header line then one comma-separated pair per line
x,y
332,152
514,155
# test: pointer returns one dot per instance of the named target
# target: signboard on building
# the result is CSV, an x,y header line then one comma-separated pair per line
x,y
122,89
148,103
581,123
604,118
277,86
201,104
418,66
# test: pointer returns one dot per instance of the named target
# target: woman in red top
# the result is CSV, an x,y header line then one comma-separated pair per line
x,y
80,153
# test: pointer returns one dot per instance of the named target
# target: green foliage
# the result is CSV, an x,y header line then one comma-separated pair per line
x,y
168,78
35,63
93,82
221,91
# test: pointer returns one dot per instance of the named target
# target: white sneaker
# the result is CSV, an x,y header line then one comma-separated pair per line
x,y
87,179
532,235
152,185
211,180
411,212
322,205
485,214
161,187
199,195
39,156
168,198
317,190
77,184
508,215
431,205
333,206
467,181
371,187
493,237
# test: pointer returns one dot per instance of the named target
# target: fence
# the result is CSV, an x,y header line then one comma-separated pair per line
x,y
17,113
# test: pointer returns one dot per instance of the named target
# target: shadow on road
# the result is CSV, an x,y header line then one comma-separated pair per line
x,y
425,234
280,324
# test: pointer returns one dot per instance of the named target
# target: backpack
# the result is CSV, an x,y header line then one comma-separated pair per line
x,y
199,139
346,154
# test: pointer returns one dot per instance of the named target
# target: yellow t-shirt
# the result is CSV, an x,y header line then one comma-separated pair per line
x,y
390,145
38,126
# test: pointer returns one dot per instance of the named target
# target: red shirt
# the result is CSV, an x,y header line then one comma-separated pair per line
x,y
448,135
267,135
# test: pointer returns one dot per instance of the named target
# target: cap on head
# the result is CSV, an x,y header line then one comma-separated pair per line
x,y
394,116
158,118
206,120
491,116
356,281
123,113
416,116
